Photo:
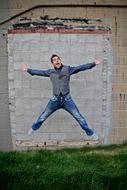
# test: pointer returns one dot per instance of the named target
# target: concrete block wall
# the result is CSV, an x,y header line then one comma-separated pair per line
x,y
30,94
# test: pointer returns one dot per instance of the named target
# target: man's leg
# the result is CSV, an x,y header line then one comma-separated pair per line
x,y
51,107
70,107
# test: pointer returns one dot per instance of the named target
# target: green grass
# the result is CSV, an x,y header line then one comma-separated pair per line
x,y
88,168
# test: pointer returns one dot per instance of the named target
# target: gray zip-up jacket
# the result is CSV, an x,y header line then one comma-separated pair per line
x,y
60,77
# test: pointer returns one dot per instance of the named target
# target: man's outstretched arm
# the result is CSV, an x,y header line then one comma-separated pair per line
x,y
44,73
76,69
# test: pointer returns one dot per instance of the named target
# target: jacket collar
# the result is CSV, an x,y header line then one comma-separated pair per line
x,y
58,69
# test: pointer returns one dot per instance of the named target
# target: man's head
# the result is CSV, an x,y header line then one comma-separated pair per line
x,y
56,61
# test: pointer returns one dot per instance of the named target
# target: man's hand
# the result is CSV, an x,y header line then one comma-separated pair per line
x,y
98,61
23,68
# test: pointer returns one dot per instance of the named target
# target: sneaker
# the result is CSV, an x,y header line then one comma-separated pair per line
x,y
31,131
94,137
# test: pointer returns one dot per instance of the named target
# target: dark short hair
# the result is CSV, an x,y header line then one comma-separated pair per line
x,y
54,55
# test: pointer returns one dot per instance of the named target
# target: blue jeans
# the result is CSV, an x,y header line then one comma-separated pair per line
x,y
66,103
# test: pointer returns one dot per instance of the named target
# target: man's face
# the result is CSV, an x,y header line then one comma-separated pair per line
x,y
56,61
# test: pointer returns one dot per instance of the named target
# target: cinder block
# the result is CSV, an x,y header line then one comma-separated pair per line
x,y
34,56
75,136
73,37
25,84
64,38
41,137
33,93
49,37
19,102
18,76
44,47
20,46
45,57
21,93
27,37
57,136
20,128
23,137
18,84
19,111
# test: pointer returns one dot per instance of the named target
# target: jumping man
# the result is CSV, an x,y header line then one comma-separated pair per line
x,y
60,78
